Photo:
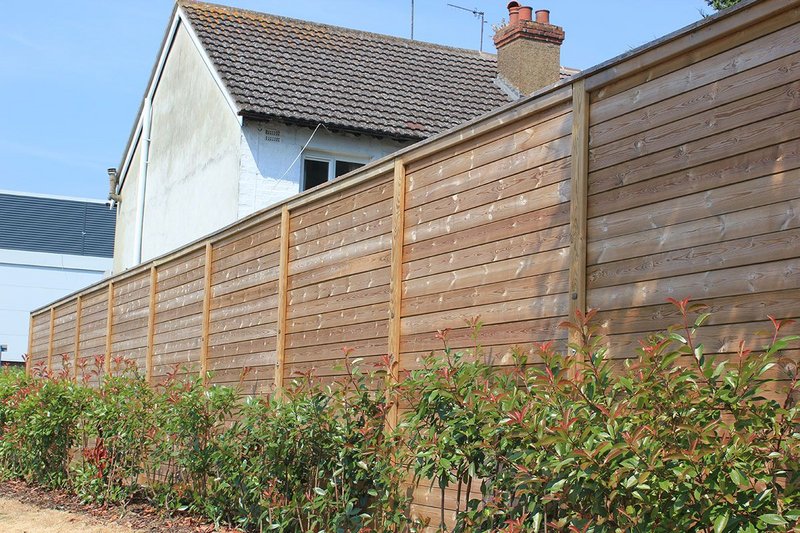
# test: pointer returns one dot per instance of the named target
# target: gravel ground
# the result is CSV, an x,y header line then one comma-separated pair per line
x,y
18,517
25,509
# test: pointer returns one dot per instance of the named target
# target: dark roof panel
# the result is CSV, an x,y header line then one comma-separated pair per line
x,y
58,226
299,71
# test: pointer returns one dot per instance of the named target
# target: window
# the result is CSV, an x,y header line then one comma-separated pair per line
x,y
315,173
319,169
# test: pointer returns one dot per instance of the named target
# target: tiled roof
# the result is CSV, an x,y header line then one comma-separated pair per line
x,y
302,72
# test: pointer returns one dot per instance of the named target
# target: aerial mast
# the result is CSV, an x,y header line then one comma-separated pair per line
x,y
478,14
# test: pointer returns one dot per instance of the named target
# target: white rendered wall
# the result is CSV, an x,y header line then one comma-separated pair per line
x,y
193,165
124,231
267,175
29,280
192,185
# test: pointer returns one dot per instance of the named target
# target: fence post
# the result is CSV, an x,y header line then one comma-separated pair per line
x,y
109,320
578,203
50,341
396,279
206,313
151,325
30,347
76,348
283,299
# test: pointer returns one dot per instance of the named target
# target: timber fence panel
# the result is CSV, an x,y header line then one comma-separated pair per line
x,y
92,335
696,193
39,342
338,280
65,320
177,330
487,234
243,312
129,321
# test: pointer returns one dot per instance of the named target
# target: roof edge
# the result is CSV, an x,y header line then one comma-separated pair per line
x,y
437,46
264,117
55,197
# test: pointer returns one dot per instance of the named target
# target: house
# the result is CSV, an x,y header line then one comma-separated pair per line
x,y
50,246
244,109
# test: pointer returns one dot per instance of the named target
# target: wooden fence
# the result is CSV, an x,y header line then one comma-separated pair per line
x,y
672,171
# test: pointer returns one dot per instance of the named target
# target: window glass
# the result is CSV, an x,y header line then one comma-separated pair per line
x,y
343,167
314,173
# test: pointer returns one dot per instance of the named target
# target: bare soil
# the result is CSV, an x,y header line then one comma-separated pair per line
x,y
25,509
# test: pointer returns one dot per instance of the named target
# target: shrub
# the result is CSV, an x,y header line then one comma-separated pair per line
x,y
317,457
189,419
672,439
675,440
117,428
40,429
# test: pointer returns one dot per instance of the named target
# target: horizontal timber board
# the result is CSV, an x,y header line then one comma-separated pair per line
x,y
757,52
727,310
512,246
682,105
704,123
740,196
482,274
760,134
741,167
764,277
719,254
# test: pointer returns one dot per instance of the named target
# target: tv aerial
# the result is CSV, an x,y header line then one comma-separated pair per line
x,y
478,14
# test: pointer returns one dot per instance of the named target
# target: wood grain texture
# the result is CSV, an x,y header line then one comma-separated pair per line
x,y
109,324
76,347
396,281
50,339
578,205
283,299
208,264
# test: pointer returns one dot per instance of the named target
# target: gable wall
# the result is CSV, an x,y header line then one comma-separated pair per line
x,y
192,185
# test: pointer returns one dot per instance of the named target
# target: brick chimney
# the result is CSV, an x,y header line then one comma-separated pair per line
x,y
528,51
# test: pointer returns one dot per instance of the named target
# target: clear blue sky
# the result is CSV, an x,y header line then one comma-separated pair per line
x,y
72,73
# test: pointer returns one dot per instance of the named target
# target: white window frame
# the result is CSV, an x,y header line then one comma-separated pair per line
x,y
331,159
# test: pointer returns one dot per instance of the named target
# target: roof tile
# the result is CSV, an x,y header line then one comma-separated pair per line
x,y
298,71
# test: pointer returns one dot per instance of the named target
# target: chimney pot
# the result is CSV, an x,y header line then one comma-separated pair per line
x,y
542,16
513,13
525,13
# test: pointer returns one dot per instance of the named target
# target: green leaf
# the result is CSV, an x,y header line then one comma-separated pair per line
x,y
738,478
773,519
720,523
537,521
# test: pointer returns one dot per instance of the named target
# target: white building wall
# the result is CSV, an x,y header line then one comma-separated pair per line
x,y
270,169
124,231
29,280
192,184
205,170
